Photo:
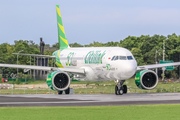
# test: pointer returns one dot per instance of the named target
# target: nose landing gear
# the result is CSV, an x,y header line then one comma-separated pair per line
x,y
120,88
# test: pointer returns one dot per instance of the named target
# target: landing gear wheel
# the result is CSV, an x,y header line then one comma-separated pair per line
x,y
120,91
60,92
116,90
67,91
124,89
120,88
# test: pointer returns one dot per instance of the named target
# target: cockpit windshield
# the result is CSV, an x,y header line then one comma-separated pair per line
x,y
129,57
116,58
122,58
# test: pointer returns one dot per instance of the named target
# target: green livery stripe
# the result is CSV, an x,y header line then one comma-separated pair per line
x,y
138,79
57,55
49,80
63,43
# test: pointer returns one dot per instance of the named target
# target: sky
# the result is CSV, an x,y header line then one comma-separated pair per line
x,y
87,21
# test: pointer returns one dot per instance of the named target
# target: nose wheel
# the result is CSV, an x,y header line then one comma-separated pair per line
x,y
120,89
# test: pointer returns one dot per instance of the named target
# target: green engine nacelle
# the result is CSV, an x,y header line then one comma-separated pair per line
x,y
58,81
146,79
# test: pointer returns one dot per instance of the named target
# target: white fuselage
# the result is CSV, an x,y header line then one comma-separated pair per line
x,y
100,63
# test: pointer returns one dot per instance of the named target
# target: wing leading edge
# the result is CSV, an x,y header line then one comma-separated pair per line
x,y
70,70
34,55
145,67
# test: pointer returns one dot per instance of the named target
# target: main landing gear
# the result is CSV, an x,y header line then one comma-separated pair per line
x,y
67,91
120,89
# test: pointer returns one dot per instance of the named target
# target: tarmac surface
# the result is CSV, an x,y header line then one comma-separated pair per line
x,y
88,99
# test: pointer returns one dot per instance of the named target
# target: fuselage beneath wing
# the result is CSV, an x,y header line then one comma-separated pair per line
x,y
99,63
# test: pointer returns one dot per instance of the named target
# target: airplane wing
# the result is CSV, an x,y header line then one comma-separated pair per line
x,y
35,55
146,67
70,70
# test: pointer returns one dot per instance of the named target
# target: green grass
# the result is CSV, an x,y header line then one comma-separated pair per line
x,y
28,82
140,112
99,87
37,82
94,87
26,91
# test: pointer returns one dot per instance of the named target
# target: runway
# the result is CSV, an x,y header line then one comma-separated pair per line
x,y
88,99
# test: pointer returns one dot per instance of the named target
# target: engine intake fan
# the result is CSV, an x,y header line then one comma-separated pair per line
x,y
58,81
146,79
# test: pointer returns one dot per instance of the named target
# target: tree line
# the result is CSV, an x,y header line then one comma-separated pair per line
x,y
145,48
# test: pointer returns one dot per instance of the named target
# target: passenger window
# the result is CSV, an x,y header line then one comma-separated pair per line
x,y
122,57
129,57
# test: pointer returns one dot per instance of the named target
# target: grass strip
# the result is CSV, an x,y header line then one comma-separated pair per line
x,y
131,112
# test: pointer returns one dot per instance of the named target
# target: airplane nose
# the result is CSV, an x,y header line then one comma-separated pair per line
x,y
130,68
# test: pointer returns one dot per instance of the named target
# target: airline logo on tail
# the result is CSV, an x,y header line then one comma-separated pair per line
x,y
63,43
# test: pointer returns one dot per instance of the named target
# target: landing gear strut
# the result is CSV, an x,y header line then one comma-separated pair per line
x,y
67,91
60,92
120,88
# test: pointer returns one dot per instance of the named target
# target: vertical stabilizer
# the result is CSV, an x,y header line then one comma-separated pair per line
x,y
63,43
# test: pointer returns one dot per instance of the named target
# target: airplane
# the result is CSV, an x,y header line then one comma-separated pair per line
x,y
94,64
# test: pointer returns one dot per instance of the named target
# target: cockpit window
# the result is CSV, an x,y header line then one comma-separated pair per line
x,y
113,57
122,57
116,58
129,57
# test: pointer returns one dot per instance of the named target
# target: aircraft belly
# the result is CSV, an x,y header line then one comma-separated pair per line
x,y
113,75
108,75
